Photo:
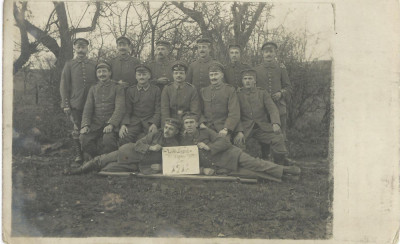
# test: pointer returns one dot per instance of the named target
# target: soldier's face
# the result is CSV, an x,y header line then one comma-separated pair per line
x,y
142,77
103,74
269,54
179,76
161,51
248,81
204,50
123,47
234,55
190,125
170,131
216,77
81,50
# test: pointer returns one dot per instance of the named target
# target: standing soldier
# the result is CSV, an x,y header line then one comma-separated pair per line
x,y
123,66
143,103
77,77
273,77
233,69
179,97
103,113
220,105
198,70
256,106
161,66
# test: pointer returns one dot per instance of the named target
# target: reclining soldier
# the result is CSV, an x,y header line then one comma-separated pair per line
x,y
144,155
216,152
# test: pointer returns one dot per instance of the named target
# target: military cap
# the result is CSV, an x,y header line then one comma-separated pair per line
x,y
189,115
174,122
103,64
142,68
163,43
81,41
203,40
269,44
216,66
234,46
123,38
251,72
179,66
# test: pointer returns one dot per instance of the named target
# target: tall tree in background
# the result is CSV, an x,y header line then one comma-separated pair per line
x,y
56,28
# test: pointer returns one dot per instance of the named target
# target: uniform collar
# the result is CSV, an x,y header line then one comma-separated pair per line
x,y
144,88
272,64
235,63
82,60
105,84
123,58
162,62
204,60
176,84
249,90
194,135
217,87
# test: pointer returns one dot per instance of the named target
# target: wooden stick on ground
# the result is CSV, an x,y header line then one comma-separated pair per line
x,y
190,177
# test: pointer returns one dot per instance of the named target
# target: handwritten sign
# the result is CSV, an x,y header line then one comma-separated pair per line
x,y
180,160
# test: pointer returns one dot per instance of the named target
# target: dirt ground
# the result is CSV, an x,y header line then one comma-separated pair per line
x,y
46,203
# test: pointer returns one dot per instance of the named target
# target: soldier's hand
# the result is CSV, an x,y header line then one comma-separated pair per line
x,y
239,139
152,128
85,130
276,96
202,145
109,128
123,83
203,126
208,171
155,148
156,167
163,80
223,132
123,131
67,111
276,128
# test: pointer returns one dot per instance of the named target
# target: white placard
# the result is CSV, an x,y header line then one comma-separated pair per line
x,y
180,160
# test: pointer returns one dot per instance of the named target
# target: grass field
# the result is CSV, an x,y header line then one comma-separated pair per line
x,y
46,203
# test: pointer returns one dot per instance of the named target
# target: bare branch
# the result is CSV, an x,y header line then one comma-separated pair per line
x,y
93,24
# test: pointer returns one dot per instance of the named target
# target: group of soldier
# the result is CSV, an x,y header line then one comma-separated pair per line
x,y
125,111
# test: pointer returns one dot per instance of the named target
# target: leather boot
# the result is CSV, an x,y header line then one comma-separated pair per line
x,y
85,168
78,154
265,150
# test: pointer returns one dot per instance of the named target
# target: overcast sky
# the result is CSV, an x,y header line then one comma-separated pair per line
x,y
317,18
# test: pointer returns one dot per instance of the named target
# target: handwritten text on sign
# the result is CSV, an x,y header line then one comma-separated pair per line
x,y
180,160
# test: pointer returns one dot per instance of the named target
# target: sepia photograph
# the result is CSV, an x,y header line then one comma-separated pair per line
x,y
167,119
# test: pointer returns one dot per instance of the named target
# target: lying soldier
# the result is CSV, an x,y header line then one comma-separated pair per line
x,y
217,152
145,154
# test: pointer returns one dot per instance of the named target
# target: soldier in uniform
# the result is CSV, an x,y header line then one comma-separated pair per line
x,y
77,77
273,77
233,69
179,97
143,103
123,66
216,152
256,106
103,113
145,154
220,105
161,66
198,70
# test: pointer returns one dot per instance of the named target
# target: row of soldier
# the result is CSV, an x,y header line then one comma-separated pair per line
x,y
120,101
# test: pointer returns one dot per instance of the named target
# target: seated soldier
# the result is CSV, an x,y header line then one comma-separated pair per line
x,y
143,102
179,97
145,154
255,106
220,105
216,151
102,113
